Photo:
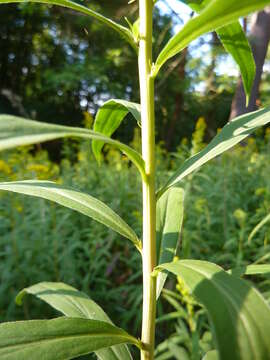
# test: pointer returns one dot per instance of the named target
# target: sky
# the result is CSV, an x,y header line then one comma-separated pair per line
x,y
180,8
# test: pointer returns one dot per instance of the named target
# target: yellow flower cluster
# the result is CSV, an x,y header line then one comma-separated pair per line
x,y
5,168
198,136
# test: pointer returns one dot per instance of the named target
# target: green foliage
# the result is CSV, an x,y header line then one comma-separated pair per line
x,y
73,303
109,118
233,133
258,226
211,285
170,212
12,128
126,33
81,252
250,270
237,332
211,355
216,15
62,338
235,42
75,200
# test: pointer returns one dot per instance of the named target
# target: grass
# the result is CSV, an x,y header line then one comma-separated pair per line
x,y
42,241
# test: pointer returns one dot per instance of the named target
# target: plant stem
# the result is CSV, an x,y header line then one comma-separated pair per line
x,y
149,200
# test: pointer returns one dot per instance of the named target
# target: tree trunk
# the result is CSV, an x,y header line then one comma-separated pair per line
x,y
259,40
179,100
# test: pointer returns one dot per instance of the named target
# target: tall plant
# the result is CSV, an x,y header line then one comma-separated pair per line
x,y
239,315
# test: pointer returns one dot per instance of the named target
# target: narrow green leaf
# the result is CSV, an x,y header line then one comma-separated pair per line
x,y
258,227
16,131
58,339
232,133
217,14
109,118
73,303
250,270
75,200
170,211
123,31
235,43
211,355
239,314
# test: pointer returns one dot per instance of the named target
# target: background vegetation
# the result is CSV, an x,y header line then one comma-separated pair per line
x,y
57,69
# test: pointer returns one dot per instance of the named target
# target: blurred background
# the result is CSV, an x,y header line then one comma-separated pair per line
x,y
58,66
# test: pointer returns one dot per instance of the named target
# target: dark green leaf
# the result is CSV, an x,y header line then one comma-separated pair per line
x,y
16,131
123,31
232,133
75,200
73,303
239,314
217,14
109,118
58,339
170,211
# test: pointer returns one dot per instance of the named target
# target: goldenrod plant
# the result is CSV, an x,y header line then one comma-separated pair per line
x,y
239,315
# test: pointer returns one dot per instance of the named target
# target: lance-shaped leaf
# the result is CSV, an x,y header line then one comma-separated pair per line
x,y
239,314
16,131
73,303
170,211
75,200
235,42
232,133
123,31
217,14
250,270
258,226
109,118
58,339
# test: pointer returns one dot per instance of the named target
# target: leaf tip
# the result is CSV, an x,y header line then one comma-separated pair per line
x,y
247,100
19,297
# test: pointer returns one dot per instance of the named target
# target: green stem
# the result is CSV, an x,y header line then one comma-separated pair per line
x,y
149,200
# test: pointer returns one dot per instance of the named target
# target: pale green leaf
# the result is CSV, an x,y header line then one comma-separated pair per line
x,y
239,314
217,14
136,30
109,118
170,211
211,355
123,31
233,132
58,339
16,131
75,200
250,270
73,303
235,42
258,227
